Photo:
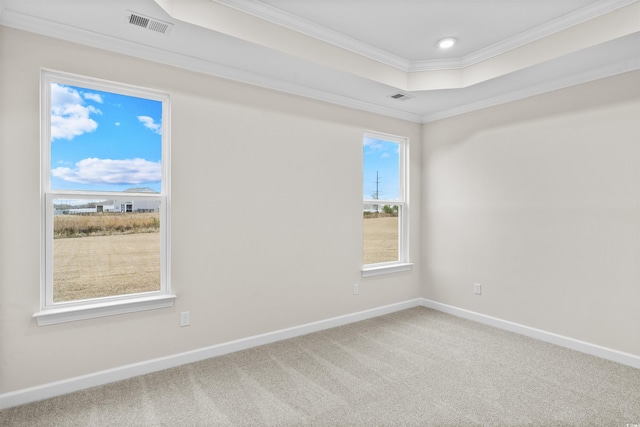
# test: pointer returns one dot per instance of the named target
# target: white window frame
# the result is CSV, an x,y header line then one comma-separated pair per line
x,y
403,263
50,312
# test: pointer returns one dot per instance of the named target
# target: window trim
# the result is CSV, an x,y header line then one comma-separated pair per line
x,y
379,269
403,263
50,312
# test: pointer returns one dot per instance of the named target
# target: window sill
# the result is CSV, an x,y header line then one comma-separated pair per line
x,y
378,270
82,312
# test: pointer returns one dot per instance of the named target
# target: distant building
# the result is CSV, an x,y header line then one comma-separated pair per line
x,y
78,211
128,205
121,205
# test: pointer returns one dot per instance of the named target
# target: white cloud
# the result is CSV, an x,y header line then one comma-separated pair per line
x,y
69,116
374,144
148,122
93,97
368,142
117,123
107,171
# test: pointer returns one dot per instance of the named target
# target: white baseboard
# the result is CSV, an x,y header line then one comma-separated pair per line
x,y
70,385
58,388
581,346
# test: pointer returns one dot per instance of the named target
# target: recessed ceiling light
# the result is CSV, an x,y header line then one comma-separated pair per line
x,y
446,43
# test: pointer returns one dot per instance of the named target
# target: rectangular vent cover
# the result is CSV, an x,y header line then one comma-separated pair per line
x,y
400,96
152,24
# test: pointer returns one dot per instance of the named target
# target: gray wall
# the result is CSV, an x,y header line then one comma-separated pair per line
x,y
239,268
539,202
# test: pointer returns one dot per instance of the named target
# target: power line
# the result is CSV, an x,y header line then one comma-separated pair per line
x,y
376,195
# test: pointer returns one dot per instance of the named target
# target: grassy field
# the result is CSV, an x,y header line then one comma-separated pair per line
x,y
105,224
104,255
99,266
380,239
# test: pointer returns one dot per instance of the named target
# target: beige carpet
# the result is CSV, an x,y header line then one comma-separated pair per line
x,y
414,367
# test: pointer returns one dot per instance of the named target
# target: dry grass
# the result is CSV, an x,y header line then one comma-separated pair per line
x,y
380,239
99,266
107,265
105,224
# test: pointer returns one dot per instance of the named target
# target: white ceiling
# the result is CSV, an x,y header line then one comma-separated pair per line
x,y
410,28
358,52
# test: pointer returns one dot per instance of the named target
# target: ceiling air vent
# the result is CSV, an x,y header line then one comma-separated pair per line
x,y
400,96
152,24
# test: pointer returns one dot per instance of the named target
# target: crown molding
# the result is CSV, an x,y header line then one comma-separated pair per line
x,y
569,20
311,29
605,71
88,38
47,28
288,20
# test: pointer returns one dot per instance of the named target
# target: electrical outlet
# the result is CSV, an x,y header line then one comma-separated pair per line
x,y
477,288
356,289
185,318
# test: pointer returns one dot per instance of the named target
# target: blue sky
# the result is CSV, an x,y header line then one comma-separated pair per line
x,y
103,141
382,157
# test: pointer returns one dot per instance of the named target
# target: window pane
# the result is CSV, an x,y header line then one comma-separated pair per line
x,y
381,169
381,237
105,248
104,141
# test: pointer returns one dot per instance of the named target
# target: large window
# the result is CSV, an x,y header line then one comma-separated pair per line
x,y
385,209
105,181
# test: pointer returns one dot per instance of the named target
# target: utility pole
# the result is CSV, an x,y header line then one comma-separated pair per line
x,y
376,195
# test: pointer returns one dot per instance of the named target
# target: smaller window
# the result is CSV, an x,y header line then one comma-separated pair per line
x,y
385,209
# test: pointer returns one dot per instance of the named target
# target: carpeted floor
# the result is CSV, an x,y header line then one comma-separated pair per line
x,y
414,367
